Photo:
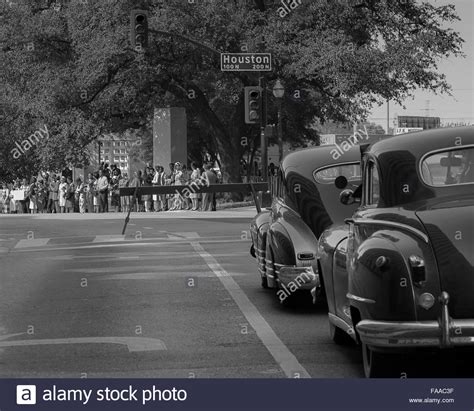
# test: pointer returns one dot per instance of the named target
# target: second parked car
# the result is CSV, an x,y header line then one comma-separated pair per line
x,y
305,203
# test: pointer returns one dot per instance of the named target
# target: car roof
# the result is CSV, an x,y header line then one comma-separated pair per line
x,y
399,157
419,143
306,161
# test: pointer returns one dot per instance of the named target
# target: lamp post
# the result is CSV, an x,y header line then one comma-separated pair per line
x,y
279,92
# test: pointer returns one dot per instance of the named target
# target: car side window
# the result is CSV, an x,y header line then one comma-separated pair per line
x,y
372,184
274,186
281,185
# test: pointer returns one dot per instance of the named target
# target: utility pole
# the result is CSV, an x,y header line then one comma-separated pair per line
x,y
388,115
263,122
279,92
427,108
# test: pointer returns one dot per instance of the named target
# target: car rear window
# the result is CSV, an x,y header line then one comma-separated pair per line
x,y
327,175
447,168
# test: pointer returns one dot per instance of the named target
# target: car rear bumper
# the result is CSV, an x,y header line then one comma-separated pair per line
x,y
444,333
303,278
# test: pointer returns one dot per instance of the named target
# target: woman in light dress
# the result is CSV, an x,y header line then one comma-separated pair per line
x,y
195,178
80,195
95,193
32,196
62,194
178,181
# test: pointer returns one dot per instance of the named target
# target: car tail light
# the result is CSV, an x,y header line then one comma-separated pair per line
x,y
417,265
305,256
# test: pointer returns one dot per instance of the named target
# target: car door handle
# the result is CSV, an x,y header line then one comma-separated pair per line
x,y
349,221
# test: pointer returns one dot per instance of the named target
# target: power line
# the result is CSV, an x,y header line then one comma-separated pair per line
x,y
442,118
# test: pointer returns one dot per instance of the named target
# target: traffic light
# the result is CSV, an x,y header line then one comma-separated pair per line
x,y
139,30
253,104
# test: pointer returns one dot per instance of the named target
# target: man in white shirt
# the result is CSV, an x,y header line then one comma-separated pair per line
x,y
102,187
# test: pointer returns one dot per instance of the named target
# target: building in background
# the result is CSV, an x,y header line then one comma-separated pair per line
x,y
114,149
425,123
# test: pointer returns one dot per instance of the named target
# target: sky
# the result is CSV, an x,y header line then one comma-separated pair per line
x,y
459,73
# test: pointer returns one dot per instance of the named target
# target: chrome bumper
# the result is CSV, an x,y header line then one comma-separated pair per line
x,y
444,333
303,278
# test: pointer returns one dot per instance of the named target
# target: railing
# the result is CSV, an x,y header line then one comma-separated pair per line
x,y
186,190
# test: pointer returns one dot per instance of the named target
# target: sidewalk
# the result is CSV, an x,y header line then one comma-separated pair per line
x,y
240,212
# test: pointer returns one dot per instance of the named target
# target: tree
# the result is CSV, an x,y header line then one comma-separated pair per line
x,y
71,67
373,128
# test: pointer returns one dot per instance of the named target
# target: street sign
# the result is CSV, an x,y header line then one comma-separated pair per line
x,y
246,62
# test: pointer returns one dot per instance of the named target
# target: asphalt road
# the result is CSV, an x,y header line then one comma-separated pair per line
x,y
179,296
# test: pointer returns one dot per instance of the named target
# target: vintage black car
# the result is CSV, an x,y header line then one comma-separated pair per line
x,y
399,274
305,203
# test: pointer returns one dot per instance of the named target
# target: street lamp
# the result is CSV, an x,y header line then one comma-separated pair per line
x,y
279,92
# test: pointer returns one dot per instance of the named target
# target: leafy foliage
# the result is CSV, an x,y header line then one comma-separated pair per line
x,y
71,67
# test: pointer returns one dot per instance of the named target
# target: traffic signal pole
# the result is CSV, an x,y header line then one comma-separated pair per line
x,y
263,123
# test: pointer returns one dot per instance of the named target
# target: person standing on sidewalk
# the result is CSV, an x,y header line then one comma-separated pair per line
x,y
32,196
62,194
195,178
135,182
156,182
124,200
210,178
102,188
81,195
114,190
147,198
219,181
70,201
170,182
162,182
24,203
41,196
53,197
178,181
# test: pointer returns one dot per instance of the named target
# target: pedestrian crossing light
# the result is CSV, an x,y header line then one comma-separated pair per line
x,y
253,104
139,30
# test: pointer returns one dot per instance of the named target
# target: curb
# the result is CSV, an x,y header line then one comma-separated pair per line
x,y
240,204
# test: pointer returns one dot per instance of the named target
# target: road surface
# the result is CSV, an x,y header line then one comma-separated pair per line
x,y
177,297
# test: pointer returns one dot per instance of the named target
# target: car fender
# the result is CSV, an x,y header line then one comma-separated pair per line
x,y
258,231
328,243
292,242
381,283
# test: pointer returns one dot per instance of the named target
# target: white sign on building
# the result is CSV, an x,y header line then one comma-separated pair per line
x,y
327,139
405,130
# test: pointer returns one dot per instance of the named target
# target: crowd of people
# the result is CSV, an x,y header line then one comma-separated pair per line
x,y
100,191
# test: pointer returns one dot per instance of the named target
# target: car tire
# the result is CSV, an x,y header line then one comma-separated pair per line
x,y
252,251
375,364
338,336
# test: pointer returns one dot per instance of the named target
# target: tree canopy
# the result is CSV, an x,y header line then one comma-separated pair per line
x,y
69,65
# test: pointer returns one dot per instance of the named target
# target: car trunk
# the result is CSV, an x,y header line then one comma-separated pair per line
x,y
450,228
